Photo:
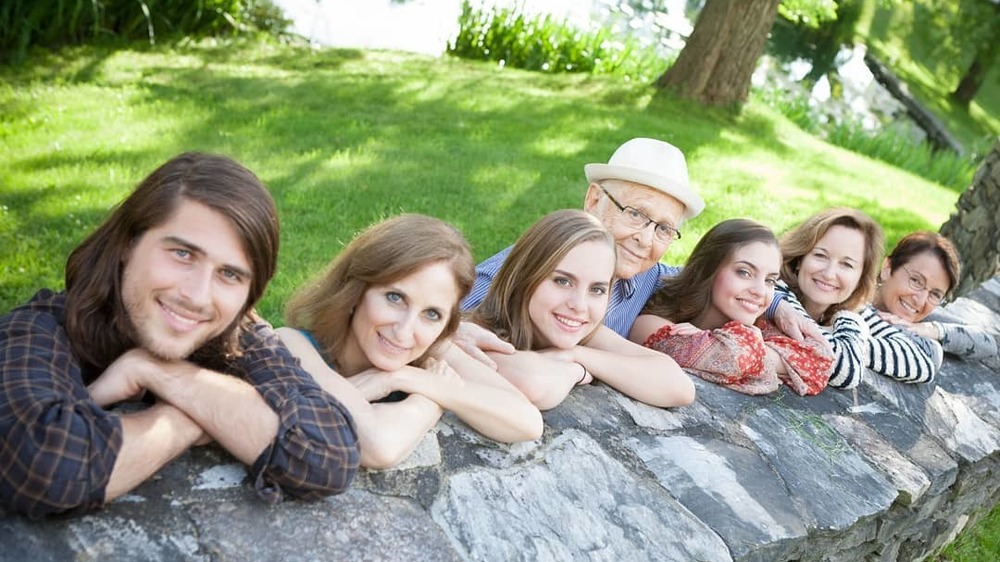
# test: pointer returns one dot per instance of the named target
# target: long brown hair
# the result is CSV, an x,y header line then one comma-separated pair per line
x,y
685,296
534,257
799,241
96,321
382,254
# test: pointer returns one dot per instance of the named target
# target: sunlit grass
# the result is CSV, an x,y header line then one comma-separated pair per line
x,y
344,138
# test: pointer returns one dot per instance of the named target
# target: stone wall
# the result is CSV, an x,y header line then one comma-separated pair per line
x,y
974,225
886,472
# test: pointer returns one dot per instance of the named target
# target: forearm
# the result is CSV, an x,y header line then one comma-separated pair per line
x,y
388,433
899,355
850,340
151,438
653,378
965,341
481,398
544,381
228,409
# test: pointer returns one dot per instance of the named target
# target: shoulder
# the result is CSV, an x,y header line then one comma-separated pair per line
x,y
495,261
646,325
45,311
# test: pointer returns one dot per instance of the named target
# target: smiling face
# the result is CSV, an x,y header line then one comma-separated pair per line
x,y
185,281
570,303
395,324
743,286
829,273
638,250
901,294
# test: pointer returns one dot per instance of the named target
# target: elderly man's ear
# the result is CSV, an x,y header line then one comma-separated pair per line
x,y
592,198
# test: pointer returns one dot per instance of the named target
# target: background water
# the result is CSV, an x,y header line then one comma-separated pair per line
x,y
425,26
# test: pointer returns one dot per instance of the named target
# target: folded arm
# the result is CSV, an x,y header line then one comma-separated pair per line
x,y
387,433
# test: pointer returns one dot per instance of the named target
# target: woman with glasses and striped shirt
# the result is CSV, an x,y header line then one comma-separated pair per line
x,y
915,282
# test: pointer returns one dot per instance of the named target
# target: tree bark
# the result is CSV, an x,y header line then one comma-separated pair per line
x,y
719,58
974,225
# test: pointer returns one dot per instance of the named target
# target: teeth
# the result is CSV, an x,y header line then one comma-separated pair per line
x,y
908,307
569,321
178,317
825,285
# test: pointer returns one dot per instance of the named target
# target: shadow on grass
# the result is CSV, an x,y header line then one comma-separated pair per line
x,y
343,146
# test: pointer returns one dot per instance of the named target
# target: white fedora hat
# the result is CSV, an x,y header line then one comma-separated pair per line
x,y
652,163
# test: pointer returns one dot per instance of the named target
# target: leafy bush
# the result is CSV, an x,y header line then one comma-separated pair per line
x,y
542,43
27,23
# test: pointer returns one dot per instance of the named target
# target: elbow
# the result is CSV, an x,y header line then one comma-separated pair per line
x,y
681,393
541,397
312,461
529,427
378,456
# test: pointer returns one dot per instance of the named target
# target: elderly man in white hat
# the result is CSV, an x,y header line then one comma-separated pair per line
x,y
642,195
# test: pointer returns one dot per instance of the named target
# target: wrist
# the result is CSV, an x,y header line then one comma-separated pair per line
x,y
773,307
583,375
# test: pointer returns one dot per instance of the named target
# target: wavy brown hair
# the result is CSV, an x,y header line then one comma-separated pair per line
x,y
685,296
534,257
96,321
382,254
801,240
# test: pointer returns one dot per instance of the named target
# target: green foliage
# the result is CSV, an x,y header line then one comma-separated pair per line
x,y
923,42
808,13
508,36
346,137
28,23
816,36
888,145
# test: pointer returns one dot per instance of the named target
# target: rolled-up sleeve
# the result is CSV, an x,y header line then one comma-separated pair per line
x,y
58,447
315,452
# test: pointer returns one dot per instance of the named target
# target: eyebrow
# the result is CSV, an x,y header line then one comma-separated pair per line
x,y
195,249
565,274
846,258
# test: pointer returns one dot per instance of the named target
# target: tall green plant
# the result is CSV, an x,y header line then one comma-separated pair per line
x,y
543,43
54,23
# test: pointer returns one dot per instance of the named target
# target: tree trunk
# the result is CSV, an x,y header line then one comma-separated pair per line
x,y
969,86
719,58
974,225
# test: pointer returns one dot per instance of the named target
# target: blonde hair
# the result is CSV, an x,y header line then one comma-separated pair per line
x,y
534,257
380,255
799,241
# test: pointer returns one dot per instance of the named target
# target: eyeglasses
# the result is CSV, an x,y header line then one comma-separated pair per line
x,y
917,283
634,218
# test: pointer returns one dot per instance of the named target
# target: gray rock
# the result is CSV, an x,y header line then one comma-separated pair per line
x,y
885,472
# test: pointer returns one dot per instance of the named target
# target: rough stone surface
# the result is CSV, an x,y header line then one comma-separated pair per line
x,y
973,226
882,473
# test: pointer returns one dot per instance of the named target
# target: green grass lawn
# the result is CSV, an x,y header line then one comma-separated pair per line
x,y
344,138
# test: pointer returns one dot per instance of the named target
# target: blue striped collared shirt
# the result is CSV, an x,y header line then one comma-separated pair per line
x,y
628,296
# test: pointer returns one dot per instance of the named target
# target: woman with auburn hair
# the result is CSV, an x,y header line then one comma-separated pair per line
x,y
831,266
378,322
916,280
550,297
708,317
